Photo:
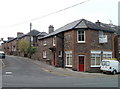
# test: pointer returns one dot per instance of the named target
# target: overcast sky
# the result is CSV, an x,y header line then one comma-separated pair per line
x,y
14,12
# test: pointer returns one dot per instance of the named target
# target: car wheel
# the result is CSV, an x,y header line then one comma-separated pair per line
x,y
114,72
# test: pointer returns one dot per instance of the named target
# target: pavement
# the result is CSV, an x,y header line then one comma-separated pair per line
x,y
67,71
2,63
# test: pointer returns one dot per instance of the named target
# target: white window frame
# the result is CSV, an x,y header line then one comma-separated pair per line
x,y
95,52
44,54
70,58
60,54
31,38
78,37
107,54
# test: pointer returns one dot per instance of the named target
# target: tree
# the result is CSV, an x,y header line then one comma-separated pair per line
x,y
31,50
23,46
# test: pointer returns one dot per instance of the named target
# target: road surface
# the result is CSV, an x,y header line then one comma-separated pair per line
x,y
21,72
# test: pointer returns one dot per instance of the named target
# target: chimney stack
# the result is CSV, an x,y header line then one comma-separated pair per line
x,y
19,34
10,38
98,23
51,29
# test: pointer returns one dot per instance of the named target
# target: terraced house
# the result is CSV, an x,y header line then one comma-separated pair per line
x,y
11,46
79,45
117,43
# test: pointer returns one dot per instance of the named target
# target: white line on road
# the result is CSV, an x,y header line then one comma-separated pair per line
x,y
8,73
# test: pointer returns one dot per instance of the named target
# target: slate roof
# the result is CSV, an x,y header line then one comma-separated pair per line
x,y
117,28
42,33
32,33
81,24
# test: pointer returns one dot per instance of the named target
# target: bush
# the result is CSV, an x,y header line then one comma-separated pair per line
x,y
31,50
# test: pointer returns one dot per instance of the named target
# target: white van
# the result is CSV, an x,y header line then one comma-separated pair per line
x,y
110,65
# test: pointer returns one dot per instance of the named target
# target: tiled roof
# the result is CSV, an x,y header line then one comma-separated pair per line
x,y
81,24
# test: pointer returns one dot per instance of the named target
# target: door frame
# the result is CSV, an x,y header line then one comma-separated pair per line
x,y
84,61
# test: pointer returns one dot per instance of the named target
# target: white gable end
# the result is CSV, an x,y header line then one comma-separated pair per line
x,y
81,25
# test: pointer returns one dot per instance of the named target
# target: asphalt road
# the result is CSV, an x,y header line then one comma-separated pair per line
x,y
20,72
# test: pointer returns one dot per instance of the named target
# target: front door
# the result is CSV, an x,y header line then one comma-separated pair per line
x,y
81,63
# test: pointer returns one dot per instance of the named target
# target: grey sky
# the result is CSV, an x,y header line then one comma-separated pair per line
x,y
17,11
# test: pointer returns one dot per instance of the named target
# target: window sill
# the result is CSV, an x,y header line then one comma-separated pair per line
x,y
81,41
95,66
68,65
44,44
44,57
60,56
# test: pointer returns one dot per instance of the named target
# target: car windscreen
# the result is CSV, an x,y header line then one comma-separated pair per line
x,y
105,63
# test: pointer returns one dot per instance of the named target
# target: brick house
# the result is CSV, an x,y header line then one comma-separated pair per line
x,y
117,43
80,45
11,46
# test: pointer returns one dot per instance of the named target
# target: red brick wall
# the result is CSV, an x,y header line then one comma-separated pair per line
x,y
92,43
117,47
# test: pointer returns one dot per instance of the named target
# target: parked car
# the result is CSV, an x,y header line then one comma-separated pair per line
x,y
110,66
2,54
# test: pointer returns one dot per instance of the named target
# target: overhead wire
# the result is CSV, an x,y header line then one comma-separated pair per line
x,y
45,15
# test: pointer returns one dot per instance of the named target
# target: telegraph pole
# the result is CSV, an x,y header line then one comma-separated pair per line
x,y
30,39
30,33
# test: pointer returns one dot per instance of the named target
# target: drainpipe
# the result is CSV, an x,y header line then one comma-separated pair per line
x,y
63,50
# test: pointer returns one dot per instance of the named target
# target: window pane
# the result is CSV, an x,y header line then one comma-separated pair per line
x,y
81,36
82,32
67,60
70,60
107,63
92,55
97,60
92,61
106,56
